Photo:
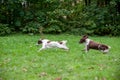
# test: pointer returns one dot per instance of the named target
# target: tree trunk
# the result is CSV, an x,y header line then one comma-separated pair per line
x,y
102,3
118,6
87,2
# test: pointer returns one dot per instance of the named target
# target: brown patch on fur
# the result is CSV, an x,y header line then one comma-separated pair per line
x,y
103,47
48,41
94,45
97,46
60,42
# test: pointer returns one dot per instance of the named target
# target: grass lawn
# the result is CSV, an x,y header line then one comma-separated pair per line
x,y
20,59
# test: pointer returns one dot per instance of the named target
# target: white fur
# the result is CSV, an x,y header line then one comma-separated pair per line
x,y
106,51
87,41
53,44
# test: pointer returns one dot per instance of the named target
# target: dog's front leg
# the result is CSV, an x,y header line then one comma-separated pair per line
x,y
86,48
66,48
43,47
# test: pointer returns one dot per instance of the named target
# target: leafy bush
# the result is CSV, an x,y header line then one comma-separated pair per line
x,y
58,16
116,31
31,27
4,29
95,20
108,30
54,26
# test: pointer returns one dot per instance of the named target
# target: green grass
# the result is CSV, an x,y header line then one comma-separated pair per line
x,y
20,59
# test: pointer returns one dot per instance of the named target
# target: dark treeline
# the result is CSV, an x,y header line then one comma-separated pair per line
x,y
93,17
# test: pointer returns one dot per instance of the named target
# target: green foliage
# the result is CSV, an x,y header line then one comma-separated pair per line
x,y
116,30
96,20
108,30
20,59
4,29
31,27
54,26
58,16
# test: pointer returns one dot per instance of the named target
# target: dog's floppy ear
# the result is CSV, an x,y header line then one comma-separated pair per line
x,y
85,36
40,41
82,40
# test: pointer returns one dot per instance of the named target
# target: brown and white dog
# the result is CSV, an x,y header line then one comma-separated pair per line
x,y
89,44
51,44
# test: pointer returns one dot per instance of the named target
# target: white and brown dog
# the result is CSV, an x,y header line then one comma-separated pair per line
x,y
89,44
51,44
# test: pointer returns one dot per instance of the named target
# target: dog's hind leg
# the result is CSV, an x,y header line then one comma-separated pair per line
x,y
64,47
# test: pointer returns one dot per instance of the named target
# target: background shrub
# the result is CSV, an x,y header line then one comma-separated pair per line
x,y
4,29
31,27
94,17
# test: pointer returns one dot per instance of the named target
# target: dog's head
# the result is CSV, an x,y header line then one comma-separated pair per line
x,y
83,39
39,42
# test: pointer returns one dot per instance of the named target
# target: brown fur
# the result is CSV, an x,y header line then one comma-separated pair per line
x,y
97,46
48,41
93,45
82,40
60,42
